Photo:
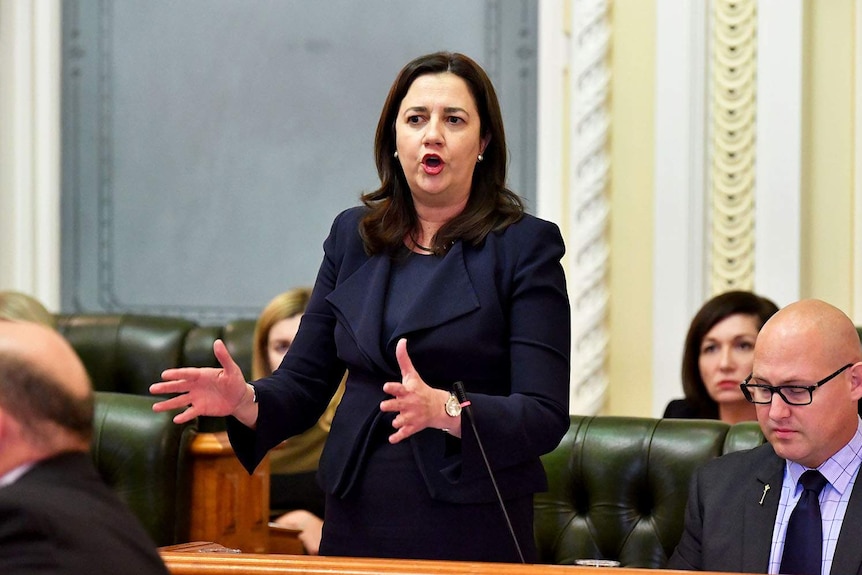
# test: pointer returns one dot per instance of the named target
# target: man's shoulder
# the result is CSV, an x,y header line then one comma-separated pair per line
x,y
55,477
731,467
52,494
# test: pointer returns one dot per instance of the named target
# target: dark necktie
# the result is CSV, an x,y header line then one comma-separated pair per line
x,y
803,544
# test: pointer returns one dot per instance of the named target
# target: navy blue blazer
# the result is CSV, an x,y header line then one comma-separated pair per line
x,y
727,528
494,316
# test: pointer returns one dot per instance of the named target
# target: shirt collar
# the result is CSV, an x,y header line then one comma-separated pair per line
x,y
12,476
838,469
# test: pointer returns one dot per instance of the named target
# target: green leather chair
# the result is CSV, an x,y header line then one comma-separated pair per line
x,y
125,353
197,351
128,352
618,486
145,457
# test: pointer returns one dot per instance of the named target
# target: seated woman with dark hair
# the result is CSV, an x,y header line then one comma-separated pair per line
x,y
718,355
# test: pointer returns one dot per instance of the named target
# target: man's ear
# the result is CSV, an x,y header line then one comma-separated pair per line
x,y
856,381
6,425
10,426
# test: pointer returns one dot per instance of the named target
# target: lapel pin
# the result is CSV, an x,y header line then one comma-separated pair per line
x,y
765,489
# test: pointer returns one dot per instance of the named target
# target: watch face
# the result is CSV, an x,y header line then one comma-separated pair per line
x,y
453,408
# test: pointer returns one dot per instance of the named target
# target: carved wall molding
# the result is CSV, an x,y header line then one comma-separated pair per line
x,y
733,131
588,215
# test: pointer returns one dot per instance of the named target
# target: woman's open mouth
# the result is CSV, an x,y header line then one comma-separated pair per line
x,y
432,164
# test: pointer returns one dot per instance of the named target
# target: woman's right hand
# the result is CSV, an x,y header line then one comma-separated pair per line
x,y
208,390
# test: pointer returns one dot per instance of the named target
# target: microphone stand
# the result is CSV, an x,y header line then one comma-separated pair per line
x,y
461,395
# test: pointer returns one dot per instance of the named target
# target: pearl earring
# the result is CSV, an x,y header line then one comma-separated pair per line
x,y
395,155
481,157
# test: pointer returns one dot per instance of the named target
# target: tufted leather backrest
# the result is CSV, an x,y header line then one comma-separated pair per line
x,y
198,351
618,486
127,352
237,336
145,457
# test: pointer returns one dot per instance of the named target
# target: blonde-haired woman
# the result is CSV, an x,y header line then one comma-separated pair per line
x,y
22,307
293,466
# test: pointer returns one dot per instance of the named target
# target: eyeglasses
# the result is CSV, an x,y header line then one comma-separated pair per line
x,y
791,394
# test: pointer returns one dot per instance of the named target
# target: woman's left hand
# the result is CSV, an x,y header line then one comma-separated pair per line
x,y
415,403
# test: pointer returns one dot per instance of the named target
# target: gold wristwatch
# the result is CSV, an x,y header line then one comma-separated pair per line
x,y
453,406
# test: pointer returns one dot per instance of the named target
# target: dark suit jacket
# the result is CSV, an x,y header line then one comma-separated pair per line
x,y
60,517
494,316
727,529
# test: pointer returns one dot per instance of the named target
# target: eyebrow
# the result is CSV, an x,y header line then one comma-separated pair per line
x,y
732,339
447,109
795,381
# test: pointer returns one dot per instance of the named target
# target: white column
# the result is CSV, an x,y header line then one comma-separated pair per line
x,y
679,251
778,187
552,59
30,39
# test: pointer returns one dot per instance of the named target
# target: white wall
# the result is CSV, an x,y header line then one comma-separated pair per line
x,y
30,148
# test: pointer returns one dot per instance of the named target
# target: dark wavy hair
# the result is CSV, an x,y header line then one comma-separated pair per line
x,y
713,311
491,206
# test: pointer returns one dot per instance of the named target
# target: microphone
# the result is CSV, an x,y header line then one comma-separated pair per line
x,y
461,396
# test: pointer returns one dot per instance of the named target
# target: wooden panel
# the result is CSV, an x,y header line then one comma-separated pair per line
x,y
229,506
285,540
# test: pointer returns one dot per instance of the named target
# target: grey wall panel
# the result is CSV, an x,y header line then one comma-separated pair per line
x,y
208,144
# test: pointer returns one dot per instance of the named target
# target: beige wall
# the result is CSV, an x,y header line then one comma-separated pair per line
x,y
631,195
828,150
828,192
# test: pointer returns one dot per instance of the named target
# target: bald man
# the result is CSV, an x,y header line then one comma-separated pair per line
x,y
806,382
56,514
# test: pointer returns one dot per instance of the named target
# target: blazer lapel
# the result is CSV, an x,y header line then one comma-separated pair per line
x,y
760,517
448,294
358,302
848,551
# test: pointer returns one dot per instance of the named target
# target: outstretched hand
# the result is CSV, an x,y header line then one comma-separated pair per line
x,y
415,403
207,390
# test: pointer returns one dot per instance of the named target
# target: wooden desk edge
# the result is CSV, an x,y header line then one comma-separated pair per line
x,y
215,563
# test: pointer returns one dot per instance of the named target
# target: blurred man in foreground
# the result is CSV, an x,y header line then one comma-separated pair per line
x,y
56,513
